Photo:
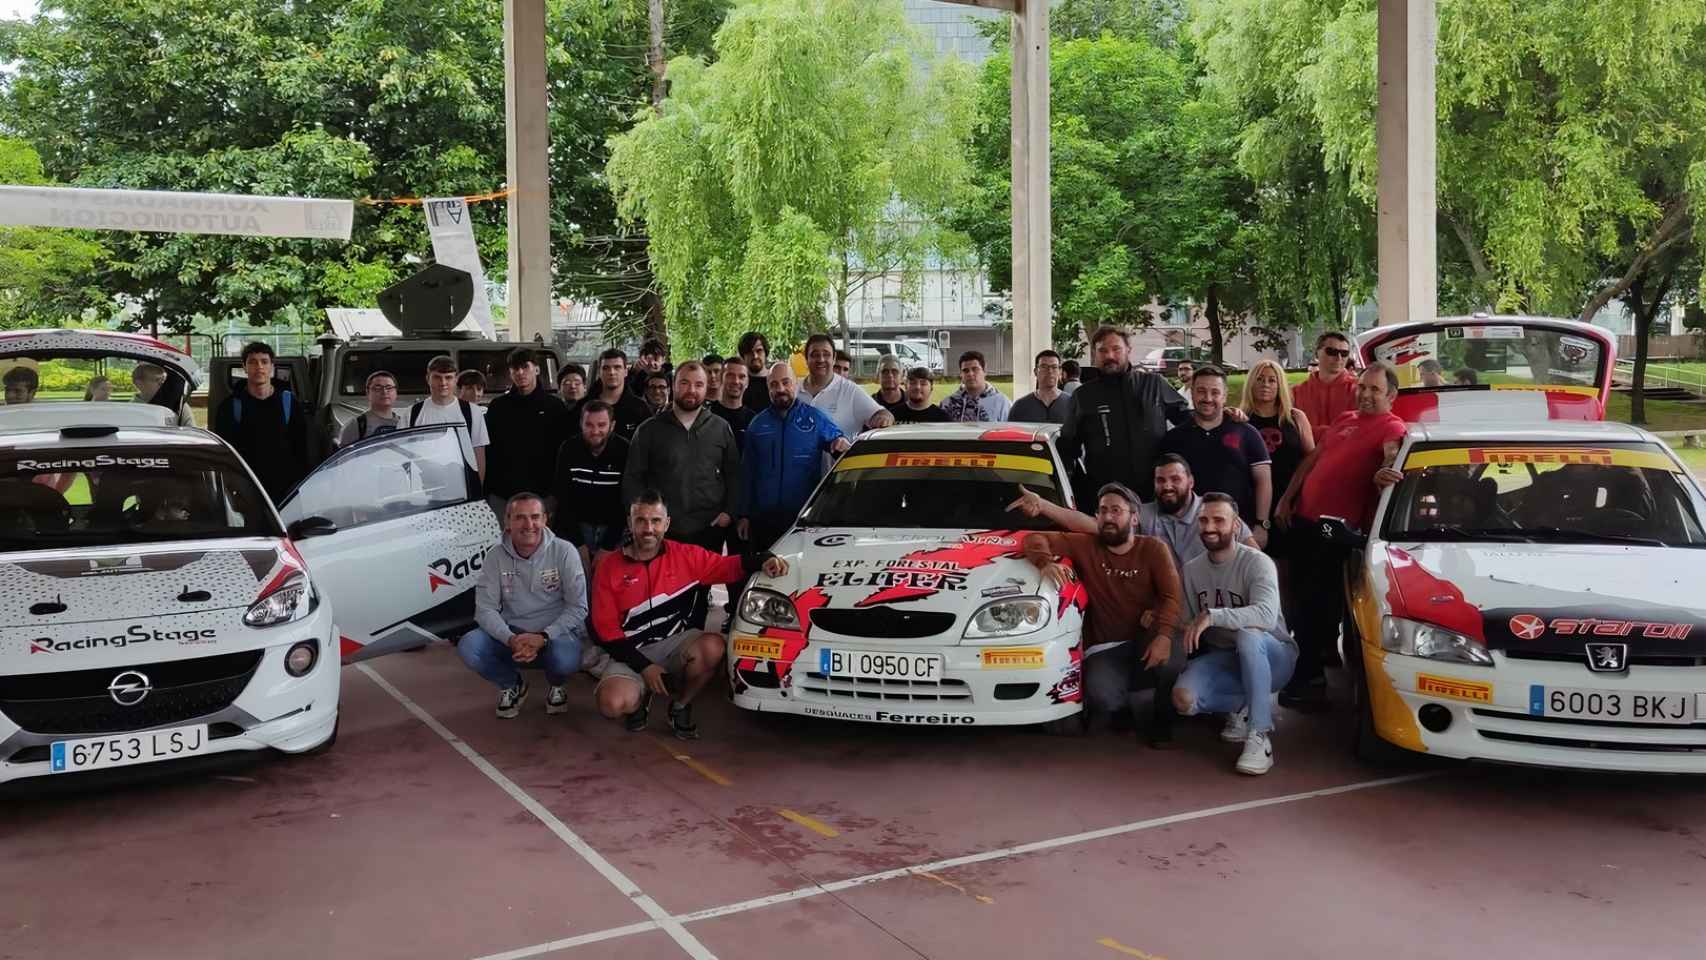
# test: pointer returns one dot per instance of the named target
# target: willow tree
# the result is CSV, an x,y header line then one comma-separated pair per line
x,y
818,153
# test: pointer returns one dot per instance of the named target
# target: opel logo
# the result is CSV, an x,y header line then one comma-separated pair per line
x,y
129,688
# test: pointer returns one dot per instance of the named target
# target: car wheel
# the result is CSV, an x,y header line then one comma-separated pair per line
x,y
1073,726
1366,744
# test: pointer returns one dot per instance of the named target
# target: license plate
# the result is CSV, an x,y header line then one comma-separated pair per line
x,y
1610,705
121,750
880,666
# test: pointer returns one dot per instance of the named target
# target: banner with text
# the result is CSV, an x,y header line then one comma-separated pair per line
x,y
165,211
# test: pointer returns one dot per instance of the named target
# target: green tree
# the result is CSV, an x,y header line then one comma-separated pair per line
x,y
44,270
819,152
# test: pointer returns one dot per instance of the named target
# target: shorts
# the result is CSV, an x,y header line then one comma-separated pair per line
x,y
669,653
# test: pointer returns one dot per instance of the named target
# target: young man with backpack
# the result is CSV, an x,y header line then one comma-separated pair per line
x,y
381,415
442,405
266,424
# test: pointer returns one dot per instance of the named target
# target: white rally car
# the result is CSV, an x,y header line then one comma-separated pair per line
x,y
155,605
907,600
1530,591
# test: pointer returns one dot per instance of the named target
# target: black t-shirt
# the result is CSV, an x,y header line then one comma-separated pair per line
x,y
931,414
738,419
757,394
1285,447
1220,459
271,440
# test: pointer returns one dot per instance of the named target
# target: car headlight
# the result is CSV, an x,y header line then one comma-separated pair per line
x,y
767,608
291,600
1416,639
1012,617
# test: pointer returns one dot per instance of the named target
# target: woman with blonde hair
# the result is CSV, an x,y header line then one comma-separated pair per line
x,y
100,388
1285,429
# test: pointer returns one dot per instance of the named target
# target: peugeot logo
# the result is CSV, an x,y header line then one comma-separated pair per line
x,y
129,688
1608,657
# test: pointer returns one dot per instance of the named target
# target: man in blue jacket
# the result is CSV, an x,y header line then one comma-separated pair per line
x,y
783,459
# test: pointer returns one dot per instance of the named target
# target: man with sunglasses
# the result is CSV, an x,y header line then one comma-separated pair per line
x,y
1332,389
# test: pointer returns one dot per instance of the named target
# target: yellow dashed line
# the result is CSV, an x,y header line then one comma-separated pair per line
x,y
693,764
949,883
815,826
1119,947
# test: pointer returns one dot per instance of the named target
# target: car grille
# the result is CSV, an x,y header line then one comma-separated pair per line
x,y
885,622
817,685
77,701
1586,744
1635,659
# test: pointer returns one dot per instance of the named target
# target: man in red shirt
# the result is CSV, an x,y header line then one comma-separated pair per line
x,y
1332,389
1341,477
642,597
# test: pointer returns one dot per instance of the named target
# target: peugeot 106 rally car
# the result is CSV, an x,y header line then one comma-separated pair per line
x,y
154,604
1530,590
907,598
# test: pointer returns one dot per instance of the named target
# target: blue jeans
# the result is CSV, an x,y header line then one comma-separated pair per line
x,y
1223,680
494,661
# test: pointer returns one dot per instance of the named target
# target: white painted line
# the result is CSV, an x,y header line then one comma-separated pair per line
x,y
661,918
1015,851
565,944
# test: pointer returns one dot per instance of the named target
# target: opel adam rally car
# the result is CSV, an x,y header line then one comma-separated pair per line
x,y
1530,590
907,598
155,605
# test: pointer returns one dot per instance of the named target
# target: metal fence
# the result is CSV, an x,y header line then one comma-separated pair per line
x,y
1663,375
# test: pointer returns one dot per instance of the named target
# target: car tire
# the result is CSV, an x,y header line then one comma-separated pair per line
x,y
1073,726
1366,744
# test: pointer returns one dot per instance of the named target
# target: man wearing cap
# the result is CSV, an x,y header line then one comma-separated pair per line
x,y
1130,580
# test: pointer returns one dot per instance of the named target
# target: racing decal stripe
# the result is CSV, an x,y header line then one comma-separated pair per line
x,y
987,461
1540,455
975,550
1415,593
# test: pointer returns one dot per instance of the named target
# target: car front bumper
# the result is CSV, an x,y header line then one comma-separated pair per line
x,y
1490,717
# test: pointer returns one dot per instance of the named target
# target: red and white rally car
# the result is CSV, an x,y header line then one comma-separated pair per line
x,y
1530,590
907,599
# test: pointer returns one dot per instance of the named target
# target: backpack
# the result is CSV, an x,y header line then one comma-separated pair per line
x,y
285,397
419,405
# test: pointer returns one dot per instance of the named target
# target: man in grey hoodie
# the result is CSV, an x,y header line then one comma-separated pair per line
x,y
1232,599
530,605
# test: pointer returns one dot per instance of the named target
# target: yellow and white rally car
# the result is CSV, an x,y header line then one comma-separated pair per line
x,y
1530,591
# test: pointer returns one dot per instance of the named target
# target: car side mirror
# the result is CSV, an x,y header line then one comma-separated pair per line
x,y
311,527
1336,531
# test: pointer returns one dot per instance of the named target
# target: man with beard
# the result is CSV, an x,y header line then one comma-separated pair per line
x,y
1131,581
1342,477
689,454
1233,604
641,617
1226,456
754,350
657,392
1172,516
786,446
1118,419
630,410
917,406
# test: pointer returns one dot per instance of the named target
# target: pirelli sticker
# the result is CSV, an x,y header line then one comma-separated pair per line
x,y
762,648
961,459
1575,389
1472,691
1540,456
1013,658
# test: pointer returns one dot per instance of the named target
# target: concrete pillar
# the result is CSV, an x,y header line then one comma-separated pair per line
x,y
1405,133
527,137
1032,281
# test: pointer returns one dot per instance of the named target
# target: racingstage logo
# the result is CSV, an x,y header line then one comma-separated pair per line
x,y
135,633
92,463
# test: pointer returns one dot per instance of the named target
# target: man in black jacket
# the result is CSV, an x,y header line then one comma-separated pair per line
x,y
630,411
654,358
526,424
589,510
1118,419
267,424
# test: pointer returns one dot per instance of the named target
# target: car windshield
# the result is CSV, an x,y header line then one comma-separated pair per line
x,y
76,379
952,484
1472,355
96,497
1552,493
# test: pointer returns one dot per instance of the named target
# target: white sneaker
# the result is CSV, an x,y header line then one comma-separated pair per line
x,y
1258,755
558,700
1237,726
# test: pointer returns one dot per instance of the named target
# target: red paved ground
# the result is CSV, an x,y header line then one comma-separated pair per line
x,y
395,845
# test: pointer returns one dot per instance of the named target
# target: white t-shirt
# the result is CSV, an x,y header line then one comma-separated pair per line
x,y
847,406
432,412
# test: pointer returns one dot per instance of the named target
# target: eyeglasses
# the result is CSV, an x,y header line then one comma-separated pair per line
x,y
381,388
1335,352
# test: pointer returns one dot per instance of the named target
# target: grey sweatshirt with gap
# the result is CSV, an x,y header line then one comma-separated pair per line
x,y
1240,593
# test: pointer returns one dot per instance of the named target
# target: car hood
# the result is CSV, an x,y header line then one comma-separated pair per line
x,y
1551,598
936,570
75,609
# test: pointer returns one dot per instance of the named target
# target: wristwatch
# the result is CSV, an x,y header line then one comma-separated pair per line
x,y
1264,524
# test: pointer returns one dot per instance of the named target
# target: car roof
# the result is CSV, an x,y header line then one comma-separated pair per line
x,y
86,438
97,343
967,432
1545,431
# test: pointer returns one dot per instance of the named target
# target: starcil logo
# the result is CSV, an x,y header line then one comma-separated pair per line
x,y
1594,455
941,460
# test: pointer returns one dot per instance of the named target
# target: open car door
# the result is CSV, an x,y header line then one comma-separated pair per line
x,y
394,530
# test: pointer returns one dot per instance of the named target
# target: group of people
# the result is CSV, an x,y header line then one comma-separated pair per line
x,y
656,482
